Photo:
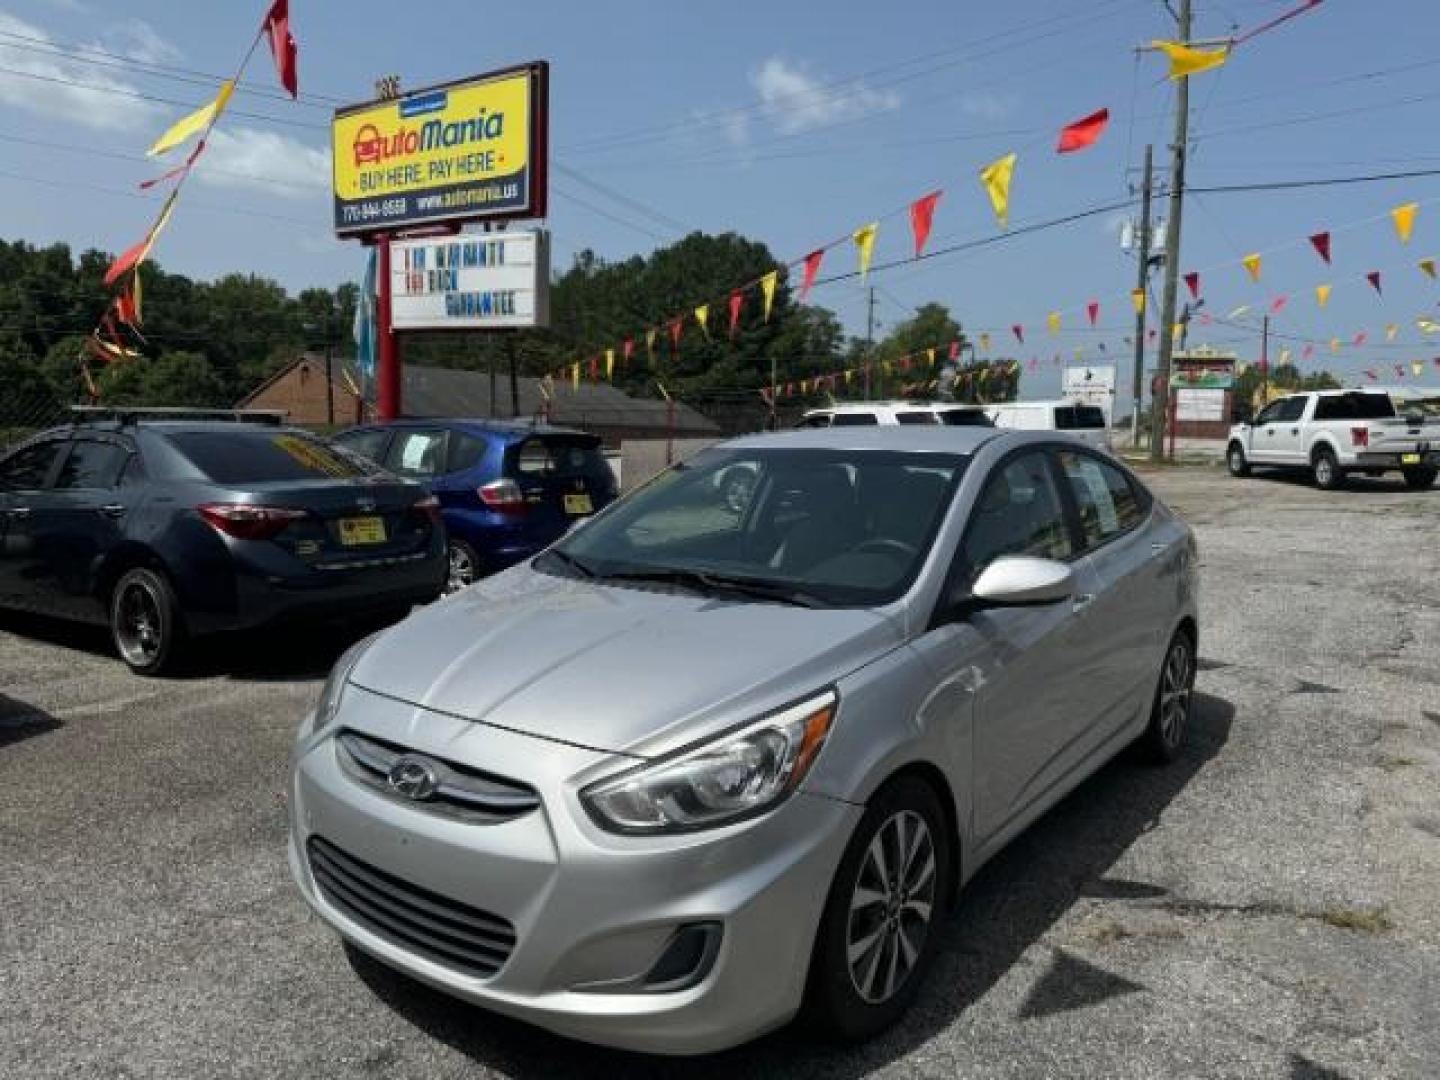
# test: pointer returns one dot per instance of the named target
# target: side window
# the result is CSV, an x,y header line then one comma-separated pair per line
x,y
368,444
91,465
1269,414
1109,505
1292,408
1019,513
855,419
916,418
417,453
27,469
466,451
823,420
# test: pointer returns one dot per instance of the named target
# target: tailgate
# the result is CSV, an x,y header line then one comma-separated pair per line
x,y
562,476
1401,436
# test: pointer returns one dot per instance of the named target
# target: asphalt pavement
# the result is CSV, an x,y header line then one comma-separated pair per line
x,y
1267,907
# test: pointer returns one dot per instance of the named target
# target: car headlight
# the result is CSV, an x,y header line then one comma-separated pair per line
x,y
334,689
738,775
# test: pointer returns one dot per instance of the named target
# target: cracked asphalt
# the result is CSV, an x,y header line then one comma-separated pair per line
x,y
1267,907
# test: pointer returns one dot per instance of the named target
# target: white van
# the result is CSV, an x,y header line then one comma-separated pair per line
x,y
1084,422
885,413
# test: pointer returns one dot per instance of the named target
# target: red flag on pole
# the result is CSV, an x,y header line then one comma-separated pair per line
x,y
1321,242
1082,133
922,214
737,301
1092,309
1374,278
282,45
1019,332
812,268
1278,304
1192,282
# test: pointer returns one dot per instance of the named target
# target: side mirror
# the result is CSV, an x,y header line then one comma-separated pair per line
x,y
1023,581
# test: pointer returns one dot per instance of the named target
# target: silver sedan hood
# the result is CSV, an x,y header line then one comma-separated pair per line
x,y
620,669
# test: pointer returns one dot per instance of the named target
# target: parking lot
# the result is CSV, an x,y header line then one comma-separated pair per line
x,y
1265,907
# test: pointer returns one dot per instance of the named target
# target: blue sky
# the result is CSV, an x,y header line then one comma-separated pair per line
x,y
793,123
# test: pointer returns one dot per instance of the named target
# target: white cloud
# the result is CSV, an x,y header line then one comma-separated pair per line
x,y
251,159
138,40
43,83
794,100
985,105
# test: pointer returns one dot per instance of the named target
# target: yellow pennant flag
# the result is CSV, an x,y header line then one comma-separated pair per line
x,y
1322,294
996,179
702,316
1284,356
1078,354
1053,322
1391,331
609,364
1243,309
1427,325
1428,266
1335,344
1137,300
1417,366
575,376
1252,266
849,374
864,238
930,352
193,124
1185,61
650,336
767,290
1404,218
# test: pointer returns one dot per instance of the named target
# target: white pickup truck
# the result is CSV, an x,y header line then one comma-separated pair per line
x,y
1334,432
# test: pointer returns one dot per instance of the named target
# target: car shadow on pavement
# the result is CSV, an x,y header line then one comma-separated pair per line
x,y
1357,483
1011,903
19,720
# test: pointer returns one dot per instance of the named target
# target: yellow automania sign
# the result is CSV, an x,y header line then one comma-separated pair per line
x,y
462,151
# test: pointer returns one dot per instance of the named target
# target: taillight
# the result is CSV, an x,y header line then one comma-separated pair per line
x,y
503,496
1359,436
246,521
430,507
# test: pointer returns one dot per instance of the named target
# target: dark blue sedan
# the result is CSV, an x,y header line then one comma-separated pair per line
x,y
168,528
507,490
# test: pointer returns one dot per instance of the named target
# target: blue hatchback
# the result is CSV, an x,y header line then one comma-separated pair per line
x,y
507,490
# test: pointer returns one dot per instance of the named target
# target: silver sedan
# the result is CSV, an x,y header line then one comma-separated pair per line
x,y
708,763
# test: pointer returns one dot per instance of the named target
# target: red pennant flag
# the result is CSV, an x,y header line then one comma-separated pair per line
x,y
1374,278
1308,352
1205,318
1371,375
1321,241
282,45
1192,282
922,214
126,260
627,349
812,268
955,350
1092,309
1019,332
1360,338
904,363
1400,370
737,301
1082,133
677,327
1278,304
594,368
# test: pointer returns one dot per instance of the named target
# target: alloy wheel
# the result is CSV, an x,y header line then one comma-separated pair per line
x,y
462,569
1175,690
891,907
138,627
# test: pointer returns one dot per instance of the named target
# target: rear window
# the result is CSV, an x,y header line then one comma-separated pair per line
x,y
855,419
1354,407
965,418
558,456
245,457
916,418
1079,417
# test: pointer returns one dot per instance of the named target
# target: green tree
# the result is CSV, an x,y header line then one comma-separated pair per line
x,y
184,379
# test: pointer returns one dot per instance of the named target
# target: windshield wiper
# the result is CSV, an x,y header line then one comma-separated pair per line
x,y
709,582
583,569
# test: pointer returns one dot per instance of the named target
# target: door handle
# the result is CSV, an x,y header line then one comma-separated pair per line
x,y
1294,431
20,511
1270,432
113,510
1159,546
1082,601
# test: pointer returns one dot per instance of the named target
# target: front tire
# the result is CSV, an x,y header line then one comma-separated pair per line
x,y
1164,738
878,932
1236,461
1420,478
1327,472
145,622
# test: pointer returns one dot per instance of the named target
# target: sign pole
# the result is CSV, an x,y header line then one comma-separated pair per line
x,y
387,368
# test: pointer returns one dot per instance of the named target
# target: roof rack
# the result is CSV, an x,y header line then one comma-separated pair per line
x,y
127,416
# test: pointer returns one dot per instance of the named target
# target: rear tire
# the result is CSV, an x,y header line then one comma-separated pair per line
x,y
1236,461
878,932
1327,472
145,622
1420,478
464,566
1164,738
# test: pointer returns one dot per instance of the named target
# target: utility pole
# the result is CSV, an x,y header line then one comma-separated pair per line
x,y
869,339
1264,361
1160,399
1142,280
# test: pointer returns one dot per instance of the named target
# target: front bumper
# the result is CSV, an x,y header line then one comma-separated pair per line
x,y
591,911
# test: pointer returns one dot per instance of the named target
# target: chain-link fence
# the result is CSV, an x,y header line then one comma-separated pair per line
x,y
24,412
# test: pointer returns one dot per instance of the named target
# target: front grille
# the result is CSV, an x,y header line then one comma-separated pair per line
x,y
463,793
462,938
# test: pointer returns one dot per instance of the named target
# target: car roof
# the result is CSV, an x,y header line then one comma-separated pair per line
x,y
170,427
929,438
516,429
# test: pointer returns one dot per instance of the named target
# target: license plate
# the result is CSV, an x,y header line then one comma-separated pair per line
x,y
579,504
1409,459
362,530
